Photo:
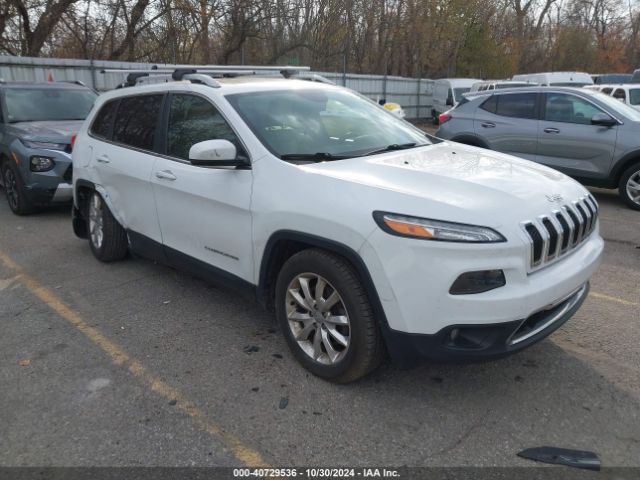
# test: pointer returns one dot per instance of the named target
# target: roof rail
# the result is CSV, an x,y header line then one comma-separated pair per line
x,y
204,73
76,82
312,77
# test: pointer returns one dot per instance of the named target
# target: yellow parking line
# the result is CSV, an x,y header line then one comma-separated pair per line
x,y
609,298
120,357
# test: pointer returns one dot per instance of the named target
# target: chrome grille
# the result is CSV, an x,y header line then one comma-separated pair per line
x,y
554,235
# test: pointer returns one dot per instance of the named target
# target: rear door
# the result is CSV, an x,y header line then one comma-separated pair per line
x,y
508,122
569,142
123,165
204,212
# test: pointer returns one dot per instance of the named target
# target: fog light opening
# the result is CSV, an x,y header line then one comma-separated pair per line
x,y
478,282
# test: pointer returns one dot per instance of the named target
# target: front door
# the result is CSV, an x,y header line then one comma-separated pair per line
x,y
567,141
204,212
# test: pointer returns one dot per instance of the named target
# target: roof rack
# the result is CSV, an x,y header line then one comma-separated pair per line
x,y
205,74
75,82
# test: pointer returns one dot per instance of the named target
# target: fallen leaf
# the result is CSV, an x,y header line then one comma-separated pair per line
x,y
24,363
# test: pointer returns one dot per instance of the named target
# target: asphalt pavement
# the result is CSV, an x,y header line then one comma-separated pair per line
x,y
134,363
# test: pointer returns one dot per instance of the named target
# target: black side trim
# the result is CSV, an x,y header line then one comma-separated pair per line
x,y
146,247
153,250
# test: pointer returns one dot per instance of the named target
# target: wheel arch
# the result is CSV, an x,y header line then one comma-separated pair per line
x,y
623,164
470,139
82,190
283,244
273,258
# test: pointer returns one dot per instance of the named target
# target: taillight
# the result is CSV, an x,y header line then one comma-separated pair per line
x,y
444,118
73,140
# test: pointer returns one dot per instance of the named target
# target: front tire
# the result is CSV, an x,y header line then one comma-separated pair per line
x,y
107,238
629,187
326,316
14,190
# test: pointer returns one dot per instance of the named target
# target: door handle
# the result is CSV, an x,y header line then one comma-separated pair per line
x,y
488,124
103,159
165,175
551,130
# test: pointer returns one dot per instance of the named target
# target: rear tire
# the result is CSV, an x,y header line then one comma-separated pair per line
x,y
107,238
629,187
326,317
14,190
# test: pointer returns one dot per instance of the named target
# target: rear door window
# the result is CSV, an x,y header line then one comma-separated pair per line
x,y
518,105
136,121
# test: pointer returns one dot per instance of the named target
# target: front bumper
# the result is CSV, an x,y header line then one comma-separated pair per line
x,y
43,195
44,188
412,279
473,343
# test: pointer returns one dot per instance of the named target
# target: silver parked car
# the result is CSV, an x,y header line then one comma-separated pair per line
x,y
584,133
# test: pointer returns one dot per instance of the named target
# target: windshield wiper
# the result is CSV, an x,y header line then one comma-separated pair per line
x,y
323,156
391,148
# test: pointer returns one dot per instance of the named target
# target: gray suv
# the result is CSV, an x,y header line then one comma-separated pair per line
x,y
37,124
583,133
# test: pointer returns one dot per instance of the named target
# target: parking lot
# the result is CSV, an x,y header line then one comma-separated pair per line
x,y
133,363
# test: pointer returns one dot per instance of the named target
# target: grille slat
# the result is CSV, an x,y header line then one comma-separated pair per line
x,y
555,235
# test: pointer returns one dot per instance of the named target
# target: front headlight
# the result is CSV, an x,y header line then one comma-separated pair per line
x,y
428,229
47,145
38,163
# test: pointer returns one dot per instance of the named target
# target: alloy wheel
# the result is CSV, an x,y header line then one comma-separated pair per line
x,y
96,230
11,188
633,187
318,318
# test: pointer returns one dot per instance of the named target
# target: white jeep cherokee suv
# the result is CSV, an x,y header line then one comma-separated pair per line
x,y
365,234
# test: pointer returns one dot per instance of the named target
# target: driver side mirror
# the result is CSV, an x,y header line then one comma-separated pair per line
x,y
603,120
215,153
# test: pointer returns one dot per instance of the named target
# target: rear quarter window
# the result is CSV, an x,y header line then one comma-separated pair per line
x,y
490,104
101,126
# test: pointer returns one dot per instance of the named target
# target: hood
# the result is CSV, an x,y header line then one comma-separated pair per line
x,y
58,131
464,179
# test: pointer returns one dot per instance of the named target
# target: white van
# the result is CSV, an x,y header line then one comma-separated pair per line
x,y
499,84
447,92
556,79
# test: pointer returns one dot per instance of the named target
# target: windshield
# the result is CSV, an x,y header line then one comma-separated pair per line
x,y
634,96
32,104
337,123
457,92
616,105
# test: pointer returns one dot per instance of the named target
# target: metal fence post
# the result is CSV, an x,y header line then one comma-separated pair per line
x,y
418,99
92,69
